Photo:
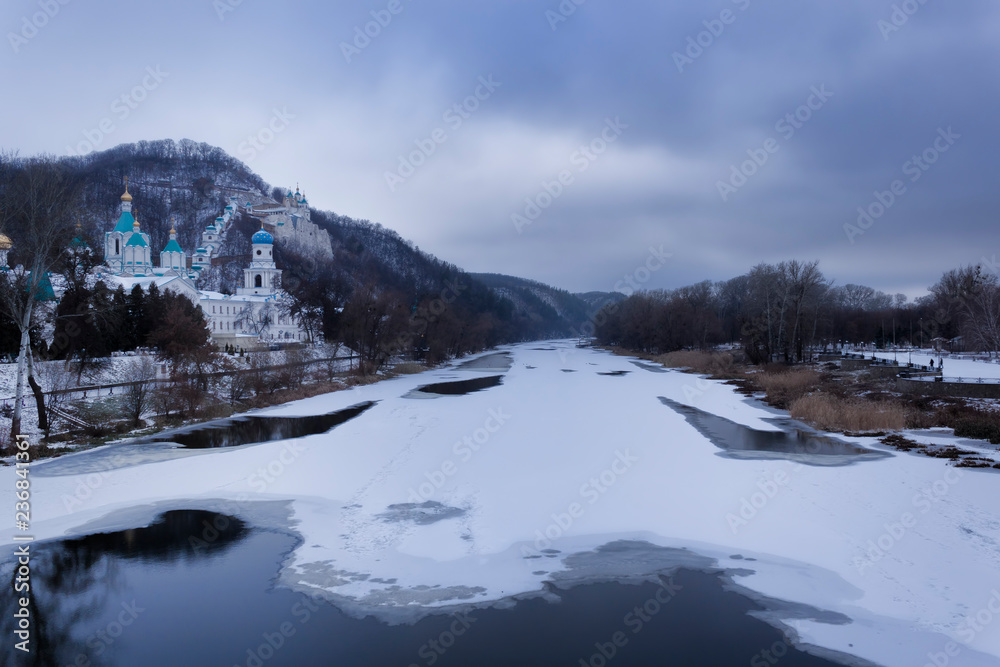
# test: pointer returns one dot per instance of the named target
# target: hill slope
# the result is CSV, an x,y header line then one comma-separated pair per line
x,y
192,183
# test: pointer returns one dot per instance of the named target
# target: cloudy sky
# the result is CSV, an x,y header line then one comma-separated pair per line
x,y
724,132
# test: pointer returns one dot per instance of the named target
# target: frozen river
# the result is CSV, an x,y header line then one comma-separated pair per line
x,y
550,466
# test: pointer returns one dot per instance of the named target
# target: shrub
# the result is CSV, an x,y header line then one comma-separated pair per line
x,y
981,426
831,413
408,368
300,392
708,363
101,414
785,387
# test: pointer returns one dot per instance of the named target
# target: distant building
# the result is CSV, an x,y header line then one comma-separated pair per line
x,y
5,245
173,259
258,312
126,247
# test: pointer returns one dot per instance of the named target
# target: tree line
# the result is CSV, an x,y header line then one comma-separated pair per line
x,y
776,312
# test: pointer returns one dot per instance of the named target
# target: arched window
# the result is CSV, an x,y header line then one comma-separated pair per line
x,y
117,247
258,281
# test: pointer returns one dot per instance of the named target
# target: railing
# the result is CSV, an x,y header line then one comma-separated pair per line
x,y
877,361
957,380
72,419
110,388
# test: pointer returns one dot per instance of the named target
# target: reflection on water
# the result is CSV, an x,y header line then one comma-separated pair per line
x,y
197,588
81,589
461,387
795,442
251,430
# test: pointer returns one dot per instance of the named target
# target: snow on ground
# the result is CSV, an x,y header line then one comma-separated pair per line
x,y
953,368
110,370
56,374
470,498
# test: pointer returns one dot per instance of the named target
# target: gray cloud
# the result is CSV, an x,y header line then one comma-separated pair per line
x,y
656,184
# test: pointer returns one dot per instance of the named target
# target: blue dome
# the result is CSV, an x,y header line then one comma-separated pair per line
x,y
262,237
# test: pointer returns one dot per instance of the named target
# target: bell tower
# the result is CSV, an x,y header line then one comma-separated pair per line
x,y
262,277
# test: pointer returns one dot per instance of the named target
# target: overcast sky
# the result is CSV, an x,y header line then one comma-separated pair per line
x,y
669,97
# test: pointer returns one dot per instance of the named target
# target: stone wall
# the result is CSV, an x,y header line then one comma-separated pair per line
x,y
879,371
855,364
960,389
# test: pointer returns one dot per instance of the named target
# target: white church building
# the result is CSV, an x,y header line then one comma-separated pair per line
x,y
257,313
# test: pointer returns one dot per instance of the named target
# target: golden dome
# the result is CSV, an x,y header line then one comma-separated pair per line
x,y
126,196
5,242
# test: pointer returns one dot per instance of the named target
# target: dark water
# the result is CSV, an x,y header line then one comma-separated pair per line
x,y
196,588
795,442
461,387
250,430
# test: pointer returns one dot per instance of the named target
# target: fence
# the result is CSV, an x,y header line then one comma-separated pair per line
x,y
858,361
957,387
109,389
959,380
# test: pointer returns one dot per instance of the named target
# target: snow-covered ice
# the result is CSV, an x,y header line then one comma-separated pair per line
x,y
449,499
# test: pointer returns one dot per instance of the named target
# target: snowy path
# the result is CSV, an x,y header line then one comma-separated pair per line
x,y
953,368
441,500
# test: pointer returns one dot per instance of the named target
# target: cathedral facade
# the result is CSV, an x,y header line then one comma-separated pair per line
x,y
257,314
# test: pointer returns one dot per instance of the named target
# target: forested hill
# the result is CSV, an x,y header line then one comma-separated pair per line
x,y
191,183
188,181
552,307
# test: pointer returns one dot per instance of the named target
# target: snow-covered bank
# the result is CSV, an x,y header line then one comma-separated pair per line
x,y
953,367
471,498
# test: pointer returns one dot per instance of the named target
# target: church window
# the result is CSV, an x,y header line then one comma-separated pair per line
x,y
258,281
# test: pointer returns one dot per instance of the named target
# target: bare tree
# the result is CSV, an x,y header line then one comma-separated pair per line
x,y
949,298
981,305
332,364
372,321
258,363
138,396
257,320
37,199
238,387
806,285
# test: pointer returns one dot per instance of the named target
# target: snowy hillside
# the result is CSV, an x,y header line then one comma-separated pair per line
x,y
191,183
185,180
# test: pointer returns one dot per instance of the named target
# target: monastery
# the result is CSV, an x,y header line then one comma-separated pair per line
x,y
258,312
